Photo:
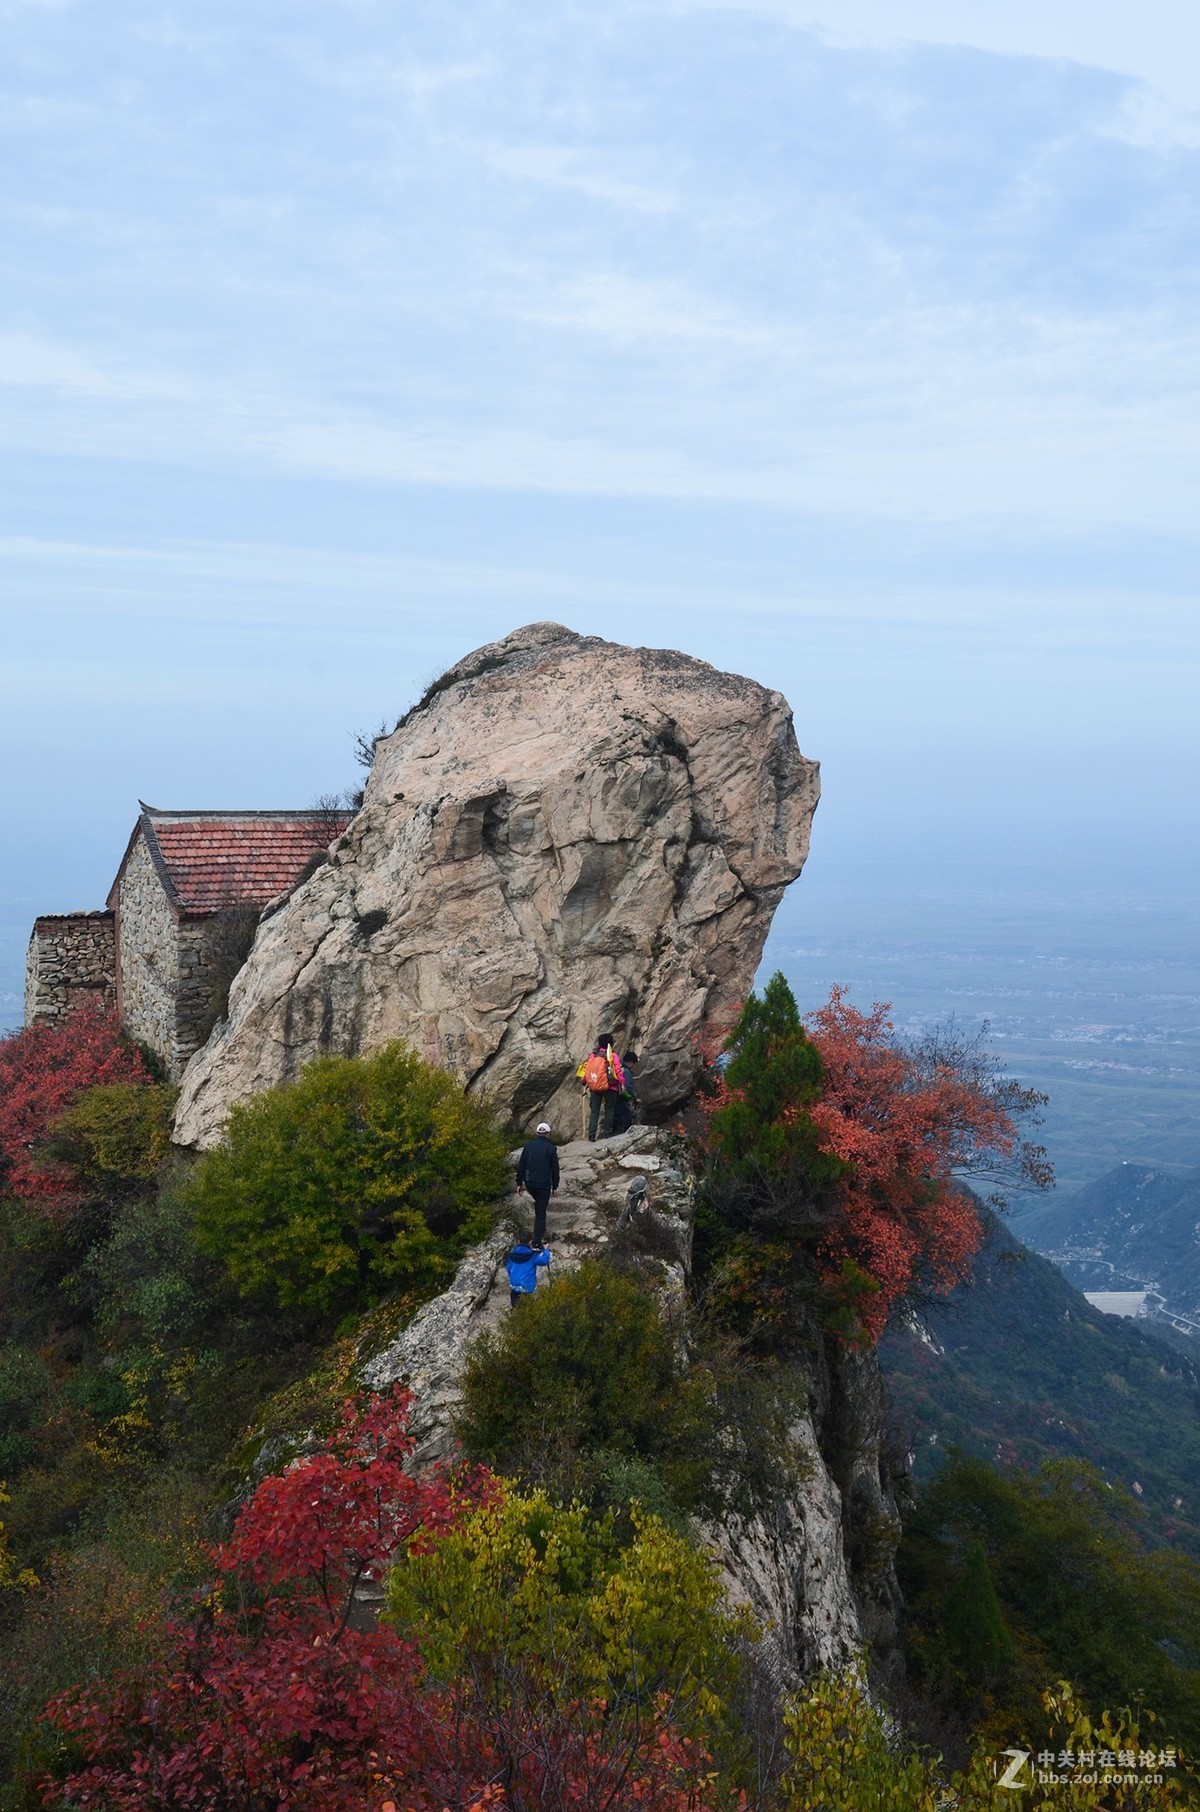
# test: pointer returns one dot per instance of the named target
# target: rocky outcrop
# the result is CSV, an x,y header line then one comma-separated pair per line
x,y
564,836
787,1565
813,1561
593,1197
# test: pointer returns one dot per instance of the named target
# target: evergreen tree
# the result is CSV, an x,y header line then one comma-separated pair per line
x,y
974,1624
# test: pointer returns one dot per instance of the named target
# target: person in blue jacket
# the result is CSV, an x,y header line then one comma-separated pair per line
x,y
522,1266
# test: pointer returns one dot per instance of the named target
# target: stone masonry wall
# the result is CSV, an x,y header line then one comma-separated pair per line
x,y
169,966
71,959
193,1006
205,950
148,959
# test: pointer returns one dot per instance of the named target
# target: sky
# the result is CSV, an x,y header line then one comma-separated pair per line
x,y
851,345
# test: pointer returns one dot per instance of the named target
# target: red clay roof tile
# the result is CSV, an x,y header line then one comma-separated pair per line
x,y
214,859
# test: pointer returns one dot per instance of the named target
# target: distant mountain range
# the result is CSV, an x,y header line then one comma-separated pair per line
x,y
1135,1228
1018,1368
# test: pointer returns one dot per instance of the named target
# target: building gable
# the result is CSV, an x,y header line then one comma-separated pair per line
x,y
181,915
207,861
187,897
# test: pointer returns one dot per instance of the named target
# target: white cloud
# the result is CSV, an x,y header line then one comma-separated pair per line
x,y
935,414
1147,117
624,308
563,167
1154,41
36,364
802,303
383,76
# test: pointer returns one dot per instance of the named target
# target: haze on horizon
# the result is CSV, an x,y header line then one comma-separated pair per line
x,y
853,347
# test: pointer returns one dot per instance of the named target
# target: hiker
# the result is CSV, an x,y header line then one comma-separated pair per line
x,y
603,1078
627,1099
537,1172
522,1266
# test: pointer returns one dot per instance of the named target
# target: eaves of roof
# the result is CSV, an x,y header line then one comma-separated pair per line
x,y
145,828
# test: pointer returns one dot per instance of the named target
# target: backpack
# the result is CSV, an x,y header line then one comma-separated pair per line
x,y
595,1073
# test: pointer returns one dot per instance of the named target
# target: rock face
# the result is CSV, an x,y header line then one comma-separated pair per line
x,y
564,836
815,1564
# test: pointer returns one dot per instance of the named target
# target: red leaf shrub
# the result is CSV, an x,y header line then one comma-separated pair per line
x,y
345,1513
272,1698
43,1069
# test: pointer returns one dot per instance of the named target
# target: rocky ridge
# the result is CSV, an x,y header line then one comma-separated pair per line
x,y
595,1185
564,835
801,1562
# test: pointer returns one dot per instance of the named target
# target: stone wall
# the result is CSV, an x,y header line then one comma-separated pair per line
x,y
71,959
148,959
193,1002
173,970
211,951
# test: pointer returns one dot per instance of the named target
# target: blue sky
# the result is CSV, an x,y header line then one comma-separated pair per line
x,y
854,347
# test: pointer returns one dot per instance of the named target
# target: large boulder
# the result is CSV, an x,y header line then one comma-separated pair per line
x,y
563,836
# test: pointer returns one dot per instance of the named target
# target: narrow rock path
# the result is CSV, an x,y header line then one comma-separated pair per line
x,y
595,1178
787,1562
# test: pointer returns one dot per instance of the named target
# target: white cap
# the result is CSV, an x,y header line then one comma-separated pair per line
x,y
543,1126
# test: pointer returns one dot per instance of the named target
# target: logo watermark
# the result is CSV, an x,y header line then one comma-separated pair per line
x,y
1016,1769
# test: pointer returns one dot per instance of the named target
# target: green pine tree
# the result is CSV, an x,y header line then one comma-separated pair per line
x,y
974,1624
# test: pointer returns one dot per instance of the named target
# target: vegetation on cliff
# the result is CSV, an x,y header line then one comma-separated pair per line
x,y
1012,1578
1017,1365
587,1392
48,1075
554,1634
833,1152
366,1175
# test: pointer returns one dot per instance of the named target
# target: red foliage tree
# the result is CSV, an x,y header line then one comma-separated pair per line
x,y
906,1121
272,1698
276,1696
834,1150
342,1515
43,1068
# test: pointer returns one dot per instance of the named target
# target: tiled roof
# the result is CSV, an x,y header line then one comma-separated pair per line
x,y
212,859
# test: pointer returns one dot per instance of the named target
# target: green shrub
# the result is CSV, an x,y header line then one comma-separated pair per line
x,y
26,1393
585,1389
974,1627
103,1606
845,1755
364,1176
149,1281
531,1605
115,1138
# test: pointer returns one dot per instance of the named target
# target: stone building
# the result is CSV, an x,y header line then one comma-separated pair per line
x,y
180,918
72,959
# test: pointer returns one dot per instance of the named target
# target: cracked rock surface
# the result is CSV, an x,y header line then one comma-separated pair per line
x,y
564,836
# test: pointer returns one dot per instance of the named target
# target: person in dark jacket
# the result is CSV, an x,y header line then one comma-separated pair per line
x,y
627,1100
522,1265
537,1173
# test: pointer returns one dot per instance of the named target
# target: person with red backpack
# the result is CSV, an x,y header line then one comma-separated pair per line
x,y
604,1080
